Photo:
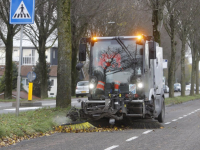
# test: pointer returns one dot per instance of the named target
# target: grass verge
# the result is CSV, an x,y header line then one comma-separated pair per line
x,y
30,122
180,99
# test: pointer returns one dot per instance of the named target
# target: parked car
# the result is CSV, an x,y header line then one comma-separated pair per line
x,y
165,88
82,88
187,87
177,87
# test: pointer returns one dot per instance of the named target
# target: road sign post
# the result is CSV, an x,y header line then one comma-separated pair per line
x,y
31,77
21,12
30,91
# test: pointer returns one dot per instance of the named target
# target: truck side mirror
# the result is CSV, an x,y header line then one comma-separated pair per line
x,y
152,49
82,52
79,66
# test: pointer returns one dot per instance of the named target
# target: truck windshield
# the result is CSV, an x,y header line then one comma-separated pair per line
x,y
114,61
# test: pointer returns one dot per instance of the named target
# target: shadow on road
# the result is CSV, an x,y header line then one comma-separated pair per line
x,y
128,123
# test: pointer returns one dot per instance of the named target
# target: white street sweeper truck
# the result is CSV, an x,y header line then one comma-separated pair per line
x,y
125,75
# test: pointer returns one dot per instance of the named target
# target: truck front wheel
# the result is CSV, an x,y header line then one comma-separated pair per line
x,y
161,116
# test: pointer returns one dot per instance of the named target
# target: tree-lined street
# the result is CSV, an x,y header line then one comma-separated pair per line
x,y
117,50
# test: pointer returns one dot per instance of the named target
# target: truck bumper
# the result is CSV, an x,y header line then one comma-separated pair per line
x,y
97,109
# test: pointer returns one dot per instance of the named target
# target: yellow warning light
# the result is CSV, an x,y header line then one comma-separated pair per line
x,y
94,38
139,37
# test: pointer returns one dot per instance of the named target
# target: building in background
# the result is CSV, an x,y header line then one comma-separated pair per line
x,y
29,59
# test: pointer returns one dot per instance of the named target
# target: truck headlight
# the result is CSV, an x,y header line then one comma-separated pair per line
x,y
91,85
140,85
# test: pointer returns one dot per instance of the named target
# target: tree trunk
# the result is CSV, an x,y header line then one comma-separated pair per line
x,y
155,20
74,71
63,98
74,74
43,68
8,69
192,76
197,75
183,67
172,62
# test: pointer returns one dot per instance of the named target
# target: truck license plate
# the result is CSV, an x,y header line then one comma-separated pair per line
x,y
83,91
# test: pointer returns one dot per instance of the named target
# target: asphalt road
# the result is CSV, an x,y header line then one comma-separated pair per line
x,y
181,131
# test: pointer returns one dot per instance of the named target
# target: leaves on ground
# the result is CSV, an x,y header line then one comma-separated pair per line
x,y
68,129
12,140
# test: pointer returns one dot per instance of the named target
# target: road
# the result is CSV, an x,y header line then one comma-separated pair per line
x,y
181,131
7,106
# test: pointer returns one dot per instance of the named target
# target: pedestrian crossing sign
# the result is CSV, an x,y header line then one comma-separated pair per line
x,y
22,11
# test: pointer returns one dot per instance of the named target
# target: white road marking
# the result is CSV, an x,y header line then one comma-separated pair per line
x,y
112,147
192,112
180,117
189,114
146,132
174,120
24,108
184,115
167,122
133,138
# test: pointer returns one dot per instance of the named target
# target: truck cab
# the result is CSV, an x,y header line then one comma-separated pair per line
x,y
125,75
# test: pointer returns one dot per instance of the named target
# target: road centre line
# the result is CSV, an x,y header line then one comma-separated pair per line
x,y
132,138
112,147
146,132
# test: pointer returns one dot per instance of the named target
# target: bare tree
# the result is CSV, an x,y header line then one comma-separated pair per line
x,y
63,98
157,7
40,33
7,32
184,23
170,26
82,14
193,42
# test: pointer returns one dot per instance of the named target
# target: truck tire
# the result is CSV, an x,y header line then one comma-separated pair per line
x,y
161,116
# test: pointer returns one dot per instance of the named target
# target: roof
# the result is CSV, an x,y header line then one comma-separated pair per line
x,y
25,70
53,72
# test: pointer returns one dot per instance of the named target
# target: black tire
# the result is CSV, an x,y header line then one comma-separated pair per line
x,y
82,96
161,116
76,96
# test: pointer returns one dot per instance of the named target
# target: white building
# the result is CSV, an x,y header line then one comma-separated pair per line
x,y
29,59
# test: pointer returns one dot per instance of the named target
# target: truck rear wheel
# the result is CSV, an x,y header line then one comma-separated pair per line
x,y
161,116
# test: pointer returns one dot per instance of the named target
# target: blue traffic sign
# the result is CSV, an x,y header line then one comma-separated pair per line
x,y
22,11
31,76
